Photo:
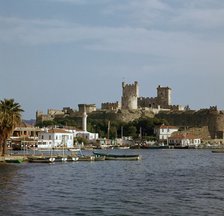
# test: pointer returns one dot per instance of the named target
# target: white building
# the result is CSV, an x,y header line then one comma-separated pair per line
x,y
87,135
183,140
55,138
163,132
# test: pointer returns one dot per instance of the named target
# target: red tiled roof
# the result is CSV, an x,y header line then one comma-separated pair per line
x,y
57,130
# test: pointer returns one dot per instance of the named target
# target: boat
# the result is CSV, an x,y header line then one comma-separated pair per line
x,y
61,158
99,158
121,147
86,158
118,156
40,159
13,160
218,151
71,158
83,157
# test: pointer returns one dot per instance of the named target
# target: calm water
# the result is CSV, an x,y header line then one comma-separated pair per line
x,y
164,182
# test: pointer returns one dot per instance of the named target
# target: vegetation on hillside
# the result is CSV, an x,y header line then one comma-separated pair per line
x,y
143,127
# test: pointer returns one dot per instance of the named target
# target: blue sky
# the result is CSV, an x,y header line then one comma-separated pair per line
x,y
57,53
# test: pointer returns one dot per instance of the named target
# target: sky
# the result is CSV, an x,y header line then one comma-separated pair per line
x,y
60,53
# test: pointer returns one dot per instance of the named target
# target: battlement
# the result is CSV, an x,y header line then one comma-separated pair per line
x,y
111,106
87,108
54,112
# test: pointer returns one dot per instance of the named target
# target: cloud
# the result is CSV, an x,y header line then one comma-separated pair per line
x,y
171,15
82,2
176,44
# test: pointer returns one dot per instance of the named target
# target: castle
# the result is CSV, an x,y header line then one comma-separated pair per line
x,y
132,106
130,100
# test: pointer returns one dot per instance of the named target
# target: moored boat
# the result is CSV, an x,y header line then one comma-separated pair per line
x,y
40,159
99,158
71,158
86,158
60,158
218,151
118,156
13,160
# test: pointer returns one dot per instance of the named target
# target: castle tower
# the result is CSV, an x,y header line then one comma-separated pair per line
x,y
164,96
130,94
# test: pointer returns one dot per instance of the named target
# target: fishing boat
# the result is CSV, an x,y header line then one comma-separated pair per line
x,y
13,160
61,158
218,151
71,158
40,159
118,156
86,158
99,158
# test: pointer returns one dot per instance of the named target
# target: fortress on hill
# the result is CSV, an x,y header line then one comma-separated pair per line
x,y
131,100
133,106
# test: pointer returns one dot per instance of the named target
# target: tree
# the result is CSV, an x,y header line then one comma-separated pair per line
x,y
10,117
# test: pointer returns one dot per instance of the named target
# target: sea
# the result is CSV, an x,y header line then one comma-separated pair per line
x,y
164,182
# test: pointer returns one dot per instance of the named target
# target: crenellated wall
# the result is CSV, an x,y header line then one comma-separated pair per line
x,y
111,106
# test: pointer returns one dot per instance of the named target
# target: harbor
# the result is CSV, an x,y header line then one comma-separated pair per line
x,y
150,186
52,156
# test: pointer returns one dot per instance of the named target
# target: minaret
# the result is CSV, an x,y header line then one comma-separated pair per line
x,y
84,120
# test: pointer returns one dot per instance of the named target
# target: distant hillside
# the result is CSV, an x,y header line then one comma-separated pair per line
x,y
30,122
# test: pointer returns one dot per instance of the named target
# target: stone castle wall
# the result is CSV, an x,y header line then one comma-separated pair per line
x,y
162,100
147,102
111,106
213,119
87,108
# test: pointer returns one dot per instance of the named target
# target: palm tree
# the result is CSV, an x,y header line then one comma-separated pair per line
x,y
10,117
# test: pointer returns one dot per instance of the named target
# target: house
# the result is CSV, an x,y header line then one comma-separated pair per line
x,y
184,140
163,132
24,136
52,138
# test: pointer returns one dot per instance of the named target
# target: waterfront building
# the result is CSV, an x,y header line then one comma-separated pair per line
x,y
87,135
163,132
183,140
52,138
24,136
